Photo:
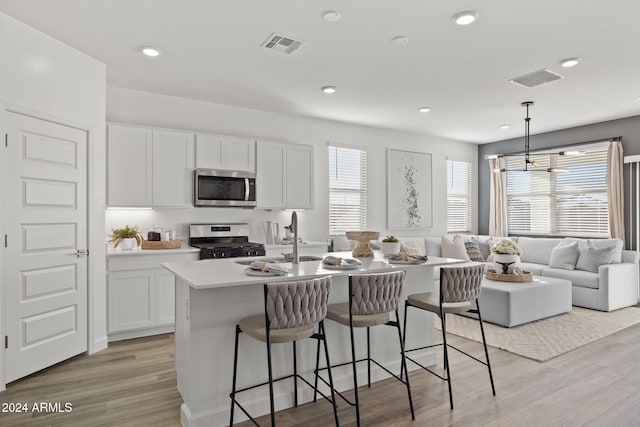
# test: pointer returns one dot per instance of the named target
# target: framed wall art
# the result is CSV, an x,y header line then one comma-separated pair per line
x,y
409,190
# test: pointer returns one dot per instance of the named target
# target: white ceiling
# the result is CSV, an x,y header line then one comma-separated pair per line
x,y
211,51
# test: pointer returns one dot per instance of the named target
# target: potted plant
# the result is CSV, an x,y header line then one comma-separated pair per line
x,y
390,245
506,256
128,236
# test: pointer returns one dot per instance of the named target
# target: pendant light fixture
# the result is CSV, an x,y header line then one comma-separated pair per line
x,y
531,165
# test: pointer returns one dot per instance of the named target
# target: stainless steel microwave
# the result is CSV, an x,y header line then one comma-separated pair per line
x,y
224,188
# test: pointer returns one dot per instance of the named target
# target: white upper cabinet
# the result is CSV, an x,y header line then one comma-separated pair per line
x,y
299,176
173,163
225,152
284,176
129,166
149,167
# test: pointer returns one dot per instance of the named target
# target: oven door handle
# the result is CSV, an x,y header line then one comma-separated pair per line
x,y
246,189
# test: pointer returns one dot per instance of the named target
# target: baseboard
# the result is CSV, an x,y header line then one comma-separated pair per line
x,y
127,335
98,345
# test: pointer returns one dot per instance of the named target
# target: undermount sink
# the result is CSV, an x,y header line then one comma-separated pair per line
x,y
301,258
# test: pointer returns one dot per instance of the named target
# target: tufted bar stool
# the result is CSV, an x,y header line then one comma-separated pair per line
x,y
292,311
372,297
459,288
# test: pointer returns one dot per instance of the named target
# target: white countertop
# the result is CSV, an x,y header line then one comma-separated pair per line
x,y
220,273
290,245
184,249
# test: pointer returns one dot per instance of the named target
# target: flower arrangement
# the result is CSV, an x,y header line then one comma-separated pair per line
x,y
507,247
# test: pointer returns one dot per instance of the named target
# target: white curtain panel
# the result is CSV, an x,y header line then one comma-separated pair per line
x,y
615,189
498,200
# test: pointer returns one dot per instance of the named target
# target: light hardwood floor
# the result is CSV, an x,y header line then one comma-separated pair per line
x,y
133,383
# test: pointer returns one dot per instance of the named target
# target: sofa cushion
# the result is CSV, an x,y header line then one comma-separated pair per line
x,y
533,268
606,243
565,255
484,243
537,249
473,250
434,247
454,247
416,242
583,279
592,257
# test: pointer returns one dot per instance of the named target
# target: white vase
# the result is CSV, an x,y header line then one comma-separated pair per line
x,y
511,261
390,248
127,244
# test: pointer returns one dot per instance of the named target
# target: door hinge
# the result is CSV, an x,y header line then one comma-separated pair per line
x,y
6,341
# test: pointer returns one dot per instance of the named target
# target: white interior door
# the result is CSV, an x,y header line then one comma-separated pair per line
x,y
46,212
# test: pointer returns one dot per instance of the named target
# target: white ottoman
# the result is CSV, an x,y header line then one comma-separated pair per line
x,y
513,303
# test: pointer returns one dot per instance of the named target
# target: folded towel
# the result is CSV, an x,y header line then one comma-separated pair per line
x,y
333,260
269,267
418,259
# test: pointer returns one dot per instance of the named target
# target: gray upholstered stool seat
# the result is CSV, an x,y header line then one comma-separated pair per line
x,y
430,302
254,327
372,297
459,289
292,311
340,313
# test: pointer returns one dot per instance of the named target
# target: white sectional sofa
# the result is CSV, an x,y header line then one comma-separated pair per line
x,y
613,286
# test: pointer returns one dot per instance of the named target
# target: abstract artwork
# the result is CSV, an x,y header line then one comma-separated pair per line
x,y
408,190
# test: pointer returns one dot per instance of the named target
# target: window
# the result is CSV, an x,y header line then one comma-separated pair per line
x,y
347,189
572,203
458,196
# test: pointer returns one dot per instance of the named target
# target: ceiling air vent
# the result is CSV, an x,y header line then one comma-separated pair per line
x,y
281,44
536,78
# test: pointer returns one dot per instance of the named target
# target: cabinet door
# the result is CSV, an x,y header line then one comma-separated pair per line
x,y
210,151
129,168
173,161
165,297
132,300
299,176
270,175
240,154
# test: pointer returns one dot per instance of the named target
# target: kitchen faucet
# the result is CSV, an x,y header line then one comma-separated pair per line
x,y
293,227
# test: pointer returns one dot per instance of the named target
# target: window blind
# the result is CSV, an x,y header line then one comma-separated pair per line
x,y
572,203
458,196
347,189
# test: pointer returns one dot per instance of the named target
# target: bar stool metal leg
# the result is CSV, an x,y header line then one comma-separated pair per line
x,y
446,354
486,352
368,358
326,355
235,370
295,376
355,372
403,365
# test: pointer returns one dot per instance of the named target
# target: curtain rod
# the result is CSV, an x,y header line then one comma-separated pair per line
x,y
615,138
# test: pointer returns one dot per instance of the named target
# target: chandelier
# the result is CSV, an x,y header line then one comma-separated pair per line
x,y
531,165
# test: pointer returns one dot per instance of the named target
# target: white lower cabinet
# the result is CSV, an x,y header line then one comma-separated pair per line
x,y
141,295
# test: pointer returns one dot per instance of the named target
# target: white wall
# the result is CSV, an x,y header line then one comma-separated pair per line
x,y
129,106
44,76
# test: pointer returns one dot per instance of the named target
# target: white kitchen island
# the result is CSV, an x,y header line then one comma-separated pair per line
x,y
212,295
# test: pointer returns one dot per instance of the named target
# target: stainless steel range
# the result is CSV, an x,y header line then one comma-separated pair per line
x,y
223,241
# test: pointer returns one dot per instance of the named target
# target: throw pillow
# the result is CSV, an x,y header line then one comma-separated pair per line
x,y
410,248
565,255
473,250
591,258
454,247
485,246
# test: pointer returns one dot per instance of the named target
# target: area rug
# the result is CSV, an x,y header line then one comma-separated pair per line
x,y
547,338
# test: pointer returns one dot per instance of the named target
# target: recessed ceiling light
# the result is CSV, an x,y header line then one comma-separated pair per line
x,y
466,17
505,126
149,51
569,62
400,40
331,16
424,109
329,89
